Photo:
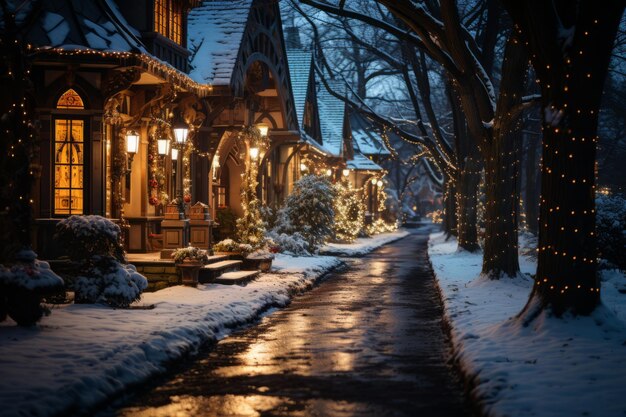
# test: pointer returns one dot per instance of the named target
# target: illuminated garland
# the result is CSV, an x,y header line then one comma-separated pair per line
x,y
349,207
147,62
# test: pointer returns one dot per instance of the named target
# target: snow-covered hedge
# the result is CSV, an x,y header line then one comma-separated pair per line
x,y
611,229
292,244
93,244
309,211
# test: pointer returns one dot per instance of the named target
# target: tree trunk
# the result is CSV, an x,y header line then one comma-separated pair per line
x,y
466,198
571,75
531,201
449,208
500,257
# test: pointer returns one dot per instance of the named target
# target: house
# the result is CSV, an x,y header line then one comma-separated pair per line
x,y
142,106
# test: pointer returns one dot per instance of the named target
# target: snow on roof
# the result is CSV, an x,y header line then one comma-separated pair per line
x,y
331,113
82,24
365,138
362,163
215,31
299,70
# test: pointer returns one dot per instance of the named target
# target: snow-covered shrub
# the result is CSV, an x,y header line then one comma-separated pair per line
x,y
110,282
85,236
308,210
22,286
611,229
292,244
93,244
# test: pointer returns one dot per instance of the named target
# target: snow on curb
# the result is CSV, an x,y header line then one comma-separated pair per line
x,y
83,354
553,367
362,246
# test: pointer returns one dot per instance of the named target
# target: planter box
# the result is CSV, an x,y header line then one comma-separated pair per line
x,y
189,271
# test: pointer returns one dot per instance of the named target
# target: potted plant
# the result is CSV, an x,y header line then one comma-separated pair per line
x,y
260,259
189,260
232,249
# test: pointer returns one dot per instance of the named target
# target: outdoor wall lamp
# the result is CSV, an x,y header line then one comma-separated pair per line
x,y
163,146
345,172
254,153
263,129
132,146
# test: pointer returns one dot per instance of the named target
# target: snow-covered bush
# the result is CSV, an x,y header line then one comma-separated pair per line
x,y
82,237
611,229
308,210
22,286
93,244
110,282
291,244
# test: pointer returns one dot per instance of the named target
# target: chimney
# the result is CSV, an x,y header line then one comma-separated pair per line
x,y
292,38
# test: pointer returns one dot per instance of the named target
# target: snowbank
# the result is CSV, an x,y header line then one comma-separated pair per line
x,y
83,354
361,246
553,367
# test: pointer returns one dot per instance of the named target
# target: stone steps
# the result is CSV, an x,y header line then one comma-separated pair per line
x,y
211,271
236,277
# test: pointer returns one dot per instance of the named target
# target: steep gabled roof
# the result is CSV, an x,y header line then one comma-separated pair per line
x,y
299,62
362,163
215,31
331,112
365,138
81,24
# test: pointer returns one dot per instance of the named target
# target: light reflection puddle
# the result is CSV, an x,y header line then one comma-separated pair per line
x,y
226,405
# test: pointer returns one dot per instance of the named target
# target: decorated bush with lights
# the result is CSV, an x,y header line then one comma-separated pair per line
x,y
308,210
611,229
349,212
101,274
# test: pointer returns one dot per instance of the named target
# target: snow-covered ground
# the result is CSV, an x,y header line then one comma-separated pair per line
x,y
361,246
575,366
82,354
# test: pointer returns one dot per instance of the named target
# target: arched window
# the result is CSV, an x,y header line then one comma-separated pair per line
x,y
69,154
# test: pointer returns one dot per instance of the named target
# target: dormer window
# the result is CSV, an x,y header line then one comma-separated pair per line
x,y
168,19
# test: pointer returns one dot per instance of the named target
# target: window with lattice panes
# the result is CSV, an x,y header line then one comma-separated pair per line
x,y
68,157
168,19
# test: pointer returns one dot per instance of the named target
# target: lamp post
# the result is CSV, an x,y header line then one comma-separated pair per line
x,y
163,146
181,131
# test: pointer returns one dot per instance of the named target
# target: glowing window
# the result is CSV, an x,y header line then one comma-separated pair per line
x,y
168,19
70,100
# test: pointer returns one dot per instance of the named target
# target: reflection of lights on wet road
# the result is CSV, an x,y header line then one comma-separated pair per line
x,y
226,405
367,342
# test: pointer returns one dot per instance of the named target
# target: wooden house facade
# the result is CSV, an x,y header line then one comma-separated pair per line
x,y
114,79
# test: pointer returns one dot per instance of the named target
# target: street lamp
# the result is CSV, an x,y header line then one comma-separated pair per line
x,y
174,154
132,146
181,130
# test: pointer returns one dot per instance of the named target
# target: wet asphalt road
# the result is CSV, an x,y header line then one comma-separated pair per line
x,y
368,341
